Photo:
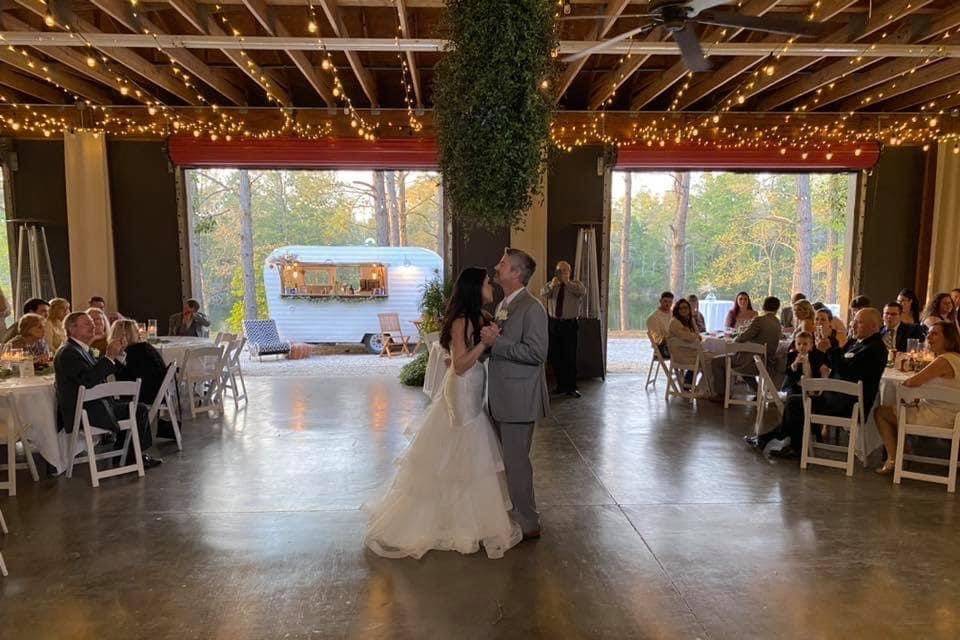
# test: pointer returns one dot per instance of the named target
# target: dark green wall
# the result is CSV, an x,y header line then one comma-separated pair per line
x,y
38,192
143,200
891,223
574,196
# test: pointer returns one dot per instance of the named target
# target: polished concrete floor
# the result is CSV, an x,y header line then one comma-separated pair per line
x,y
658,523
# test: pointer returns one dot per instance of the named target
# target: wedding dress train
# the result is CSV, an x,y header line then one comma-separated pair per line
x,y
449,492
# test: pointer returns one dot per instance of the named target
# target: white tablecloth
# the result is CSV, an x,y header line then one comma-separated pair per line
x,y
717,345
714,313
35,404
436,370
175,348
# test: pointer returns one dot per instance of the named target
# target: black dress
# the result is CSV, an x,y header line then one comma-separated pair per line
x,y
146,363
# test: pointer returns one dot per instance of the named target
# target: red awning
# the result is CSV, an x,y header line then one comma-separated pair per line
x,y
296,153
843,157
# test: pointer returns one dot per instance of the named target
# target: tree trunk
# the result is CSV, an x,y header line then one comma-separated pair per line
x,y
246,248
284,209
833,268
803,258
625,251
390,179
196,257
380,210
678,231
402,207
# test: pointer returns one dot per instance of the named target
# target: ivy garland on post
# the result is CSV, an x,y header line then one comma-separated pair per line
x,y
493,102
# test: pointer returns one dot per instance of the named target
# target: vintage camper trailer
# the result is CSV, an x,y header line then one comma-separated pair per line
x,y
333,294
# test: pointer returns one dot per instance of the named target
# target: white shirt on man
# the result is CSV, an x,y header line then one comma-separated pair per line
x,y
658,324
506,301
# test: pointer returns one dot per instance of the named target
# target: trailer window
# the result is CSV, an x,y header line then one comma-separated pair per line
x,y
300,279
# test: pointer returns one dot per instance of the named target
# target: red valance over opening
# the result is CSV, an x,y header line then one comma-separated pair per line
x,y
297,153
841,157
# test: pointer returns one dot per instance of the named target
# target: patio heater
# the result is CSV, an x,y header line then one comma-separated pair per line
x,y
591,349
32,271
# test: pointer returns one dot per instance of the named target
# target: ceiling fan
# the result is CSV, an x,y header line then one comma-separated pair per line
x,y
677,17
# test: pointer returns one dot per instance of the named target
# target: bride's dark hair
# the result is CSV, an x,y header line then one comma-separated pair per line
x,y
466,302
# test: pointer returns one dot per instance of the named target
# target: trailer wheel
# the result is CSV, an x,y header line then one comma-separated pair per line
x,y
373,342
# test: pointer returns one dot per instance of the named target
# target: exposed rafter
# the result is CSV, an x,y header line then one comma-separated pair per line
x,y
121,12
29,86
57,74
916,88
159,76
369,87
404,17
611,12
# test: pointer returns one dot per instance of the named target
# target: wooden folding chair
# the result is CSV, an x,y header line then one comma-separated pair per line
x,y
391,335
166,401
732,375
3,528
906,396
814,386
11,432
767,393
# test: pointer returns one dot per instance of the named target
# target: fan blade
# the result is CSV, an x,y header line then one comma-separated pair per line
x,y
690,49
599,47
603,17
767,24
696,6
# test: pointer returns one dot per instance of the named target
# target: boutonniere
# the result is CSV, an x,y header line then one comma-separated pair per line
x,y
95,352
849,354
501,316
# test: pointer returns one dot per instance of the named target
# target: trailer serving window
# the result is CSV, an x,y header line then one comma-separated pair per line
x,y
328,280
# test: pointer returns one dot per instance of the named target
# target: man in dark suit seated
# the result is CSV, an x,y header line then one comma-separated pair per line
x,y
862,359
76,365
189,322
765,329
896,333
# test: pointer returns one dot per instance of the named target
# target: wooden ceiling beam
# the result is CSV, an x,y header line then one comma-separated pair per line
x,y
122,12
679,69
404,17
55,73
159,76
30,87
840,69
611,12
882,17
930,83
332,10
272,24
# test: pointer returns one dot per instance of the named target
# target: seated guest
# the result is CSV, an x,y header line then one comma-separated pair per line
x,y
33,305
895,332
698,320
861,360
741,313
30,338
786,314
766,330
97,302
658,324
940,309
76,366
911,306
684,335
944,341
803,361
829,332
803,316
142,361
54,332
101,328
189,322
954,295
858,302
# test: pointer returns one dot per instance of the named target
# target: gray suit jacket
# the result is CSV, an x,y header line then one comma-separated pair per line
x,y
517,385
764,329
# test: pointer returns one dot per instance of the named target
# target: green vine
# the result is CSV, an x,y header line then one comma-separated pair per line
x,y
493,103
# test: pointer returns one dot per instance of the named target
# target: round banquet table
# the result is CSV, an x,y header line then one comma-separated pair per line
x,y
34,410
175,348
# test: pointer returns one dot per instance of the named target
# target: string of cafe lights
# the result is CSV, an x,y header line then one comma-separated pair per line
x,y
405,73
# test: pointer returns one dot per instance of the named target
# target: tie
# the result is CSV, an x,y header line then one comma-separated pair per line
x,y
560,296
889,339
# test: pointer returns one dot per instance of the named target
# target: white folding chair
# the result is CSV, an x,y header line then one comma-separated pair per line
x,y
223,337
767,393
679,366
906,396
202,376
732,375
656,363
11,433
81,422
3,528
232,370
166,402
815,386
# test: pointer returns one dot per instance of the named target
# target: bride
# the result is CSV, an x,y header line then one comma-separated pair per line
x,y
449,492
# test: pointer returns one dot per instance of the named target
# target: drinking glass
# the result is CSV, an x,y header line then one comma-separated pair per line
x,y
151,329
913,345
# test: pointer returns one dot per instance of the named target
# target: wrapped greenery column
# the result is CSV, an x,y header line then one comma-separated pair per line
x,y
493,99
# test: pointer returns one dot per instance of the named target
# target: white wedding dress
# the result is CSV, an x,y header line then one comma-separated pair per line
x,y
450,491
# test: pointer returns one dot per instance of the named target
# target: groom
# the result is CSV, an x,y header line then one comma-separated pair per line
x,y
517,384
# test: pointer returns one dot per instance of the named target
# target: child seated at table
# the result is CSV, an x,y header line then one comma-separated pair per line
x,y
803,361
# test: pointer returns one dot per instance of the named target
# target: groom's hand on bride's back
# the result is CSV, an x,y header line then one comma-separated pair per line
x,y
489,334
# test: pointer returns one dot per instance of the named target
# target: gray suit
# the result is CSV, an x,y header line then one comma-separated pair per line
x,y
765,329
518,397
